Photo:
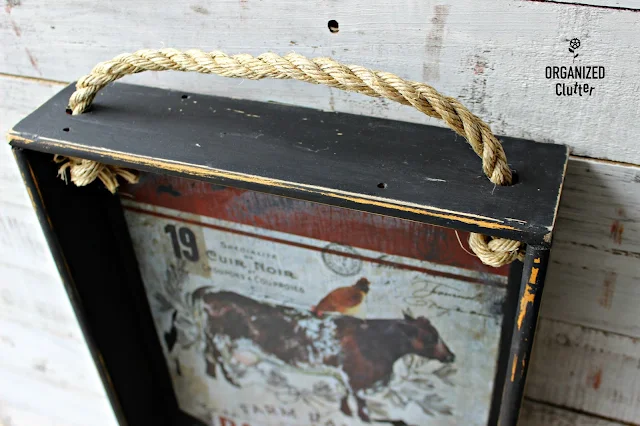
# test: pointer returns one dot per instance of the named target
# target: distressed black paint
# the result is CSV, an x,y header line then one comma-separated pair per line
x,y
431,174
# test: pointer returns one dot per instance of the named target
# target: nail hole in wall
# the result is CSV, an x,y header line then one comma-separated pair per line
x,y
382,185
333,26
66,129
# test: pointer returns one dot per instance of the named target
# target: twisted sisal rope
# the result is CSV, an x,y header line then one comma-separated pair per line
x,y
353,78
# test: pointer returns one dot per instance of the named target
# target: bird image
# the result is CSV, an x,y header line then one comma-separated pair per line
x,y
345,300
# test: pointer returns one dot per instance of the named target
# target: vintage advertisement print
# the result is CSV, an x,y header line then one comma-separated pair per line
x,y
274,311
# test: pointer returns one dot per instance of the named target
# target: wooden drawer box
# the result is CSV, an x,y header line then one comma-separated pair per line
x,y
284,266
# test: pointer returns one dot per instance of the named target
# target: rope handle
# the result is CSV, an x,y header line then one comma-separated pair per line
x,y
351,78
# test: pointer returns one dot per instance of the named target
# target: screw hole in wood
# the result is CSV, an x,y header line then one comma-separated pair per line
x,y
333,26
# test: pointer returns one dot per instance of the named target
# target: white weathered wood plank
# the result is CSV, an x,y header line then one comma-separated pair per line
x,y
616,4
586,369
489,54
59,366
21,240
47,376
537,414
35,398
611,221
39,301
595,261
46,370
18,97
11,415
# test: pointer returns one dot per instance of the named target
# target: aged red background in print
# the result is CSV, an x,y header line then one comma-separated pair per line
x,y
381,233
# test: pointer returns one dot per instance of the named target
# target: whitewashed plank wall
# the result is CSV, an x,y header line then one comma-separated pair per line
x,y
490,54
615,4
47,377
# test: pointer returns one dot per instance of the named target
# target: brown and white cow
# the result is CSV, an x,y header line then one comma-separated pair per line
x,y
364,350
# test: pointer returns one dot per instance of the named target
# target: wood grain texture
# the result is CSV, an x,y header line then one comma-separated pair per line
x,y
490,55
47,377
18,97
46,374
614,4
595,261
586,369
537,414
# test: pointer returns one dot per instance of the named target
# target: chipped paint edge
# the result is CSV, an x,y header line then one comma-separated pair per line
x,y
549,236
202,171
529,296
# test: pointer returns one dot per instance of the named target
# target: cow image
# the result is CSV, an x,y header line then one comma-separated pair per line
x,y
364,351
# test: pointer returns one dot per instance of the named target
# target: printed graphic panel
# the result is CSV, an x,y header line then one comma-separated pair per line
x,y
274,311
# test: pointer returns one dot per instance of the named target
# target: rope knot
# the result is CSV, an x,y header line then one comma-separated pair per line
x,y
496,251
83,172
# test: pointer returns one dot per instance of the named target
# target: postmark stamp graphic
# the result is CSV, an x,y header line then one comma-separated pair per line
x,y
345,265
